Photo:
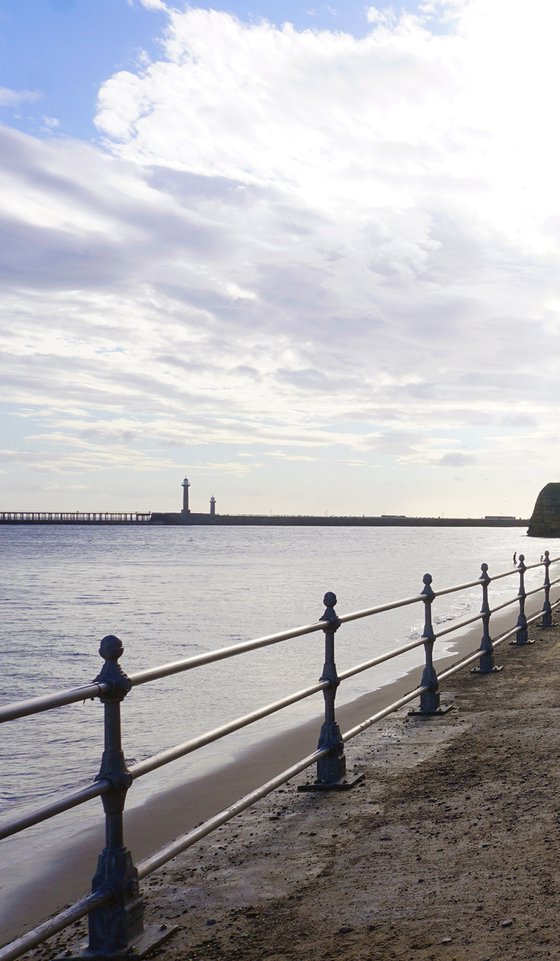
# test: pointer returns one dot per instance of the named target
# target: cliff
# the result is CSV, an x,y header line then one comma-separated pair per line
x,y
545,519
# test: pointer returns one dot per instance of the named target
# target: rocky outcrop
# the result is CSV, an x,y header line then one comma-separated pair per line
x,y
545,519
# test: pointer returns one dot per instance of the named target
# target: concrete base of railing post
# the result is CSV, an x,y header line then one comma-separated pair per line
x,y
486,663
116,929
482,669
521,636
150,939
546,616
148,942
430,706
331,769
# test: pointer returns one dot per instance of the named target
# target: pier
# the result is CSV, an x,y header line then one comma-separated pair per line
x,y
74,517
332,520
193,519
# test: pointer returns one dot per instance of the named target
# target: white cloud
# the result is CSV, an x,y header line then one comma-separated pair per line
x,y
457,459
384,17
300,242
15,98
159,5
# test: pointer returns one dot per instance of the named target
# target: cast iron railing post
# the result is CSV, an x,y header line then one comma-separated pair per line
x,y
116,929
486,664
113,927
521,636
429,699
547,609
331,768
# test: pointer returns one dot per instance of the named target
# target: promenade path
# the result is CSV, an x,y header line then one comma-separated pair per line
x,y
448,850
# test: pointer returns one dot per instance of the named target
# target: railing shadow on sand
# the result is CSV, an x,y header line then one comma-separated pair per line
x,y
115,906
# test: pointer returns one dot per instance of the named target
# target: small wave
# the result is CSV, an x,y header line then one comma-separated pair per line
x,y
444,618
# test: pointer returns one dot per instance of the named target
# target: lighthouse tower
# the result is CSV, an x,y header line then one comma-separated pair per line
x,y
185,485
212,506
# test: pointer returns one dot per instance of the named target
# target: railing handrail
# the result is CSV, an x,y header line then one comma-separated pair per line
x,y
46,702
48,811
60,921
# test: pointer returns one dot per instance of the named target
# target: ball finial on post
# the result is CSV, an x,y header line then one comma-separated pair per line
x,y
111,649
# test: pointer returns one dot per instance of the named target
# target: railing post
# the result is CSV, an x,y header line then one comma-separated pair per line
x,y
521,636
117,928
331,769
547,609
486,664
429,699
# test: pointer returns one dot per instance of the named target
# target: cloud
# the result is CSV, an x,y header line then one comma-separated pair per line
x,y
457,459
380,17
294,241
282,455
154,5
15,98
50,123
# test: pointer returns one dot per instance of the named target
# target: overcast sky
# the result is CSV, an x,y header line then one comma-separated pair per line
x,y
306,256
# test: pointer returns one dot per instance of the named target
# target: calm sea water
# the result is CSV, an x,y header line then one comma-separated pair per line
x,y
169,593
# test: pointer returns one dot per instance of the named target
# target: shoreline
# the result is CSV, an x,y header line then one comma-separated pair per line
x,y
36,892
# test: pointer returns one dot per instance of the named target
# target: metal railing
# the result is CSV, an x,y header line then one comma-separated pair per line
x,y
115,906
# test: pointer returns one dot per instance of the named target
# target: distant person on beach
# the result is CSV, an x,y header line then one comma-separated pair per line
x,y
515,558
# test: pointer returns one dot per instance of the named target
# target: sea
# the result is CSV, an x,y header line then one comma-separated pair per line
x,y
174,592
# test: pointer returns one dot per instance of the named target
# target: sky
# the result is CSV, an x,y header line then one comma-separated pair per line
x,y
307,255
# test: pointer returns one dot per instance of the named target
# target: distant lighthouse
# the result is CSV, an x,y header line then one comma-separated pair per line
x,y
212,506
185,485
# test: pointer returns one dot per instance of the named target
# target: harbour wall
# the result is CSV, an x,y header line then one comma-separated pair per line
x,y
281,520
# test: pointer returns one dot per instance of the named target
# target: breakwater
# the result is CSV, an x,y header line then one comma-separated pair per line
x,y
297,520
251,520
263,520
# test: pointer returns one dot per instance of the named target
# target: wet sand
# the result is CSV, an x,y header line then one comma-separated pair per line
x,y
26,901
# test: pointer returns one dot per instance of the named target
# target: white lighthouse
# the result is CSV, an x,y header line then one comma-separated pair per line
x,y
185,485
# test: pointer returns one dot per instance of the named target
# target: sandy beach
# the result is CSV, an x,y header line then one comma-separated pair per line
x,y
360,873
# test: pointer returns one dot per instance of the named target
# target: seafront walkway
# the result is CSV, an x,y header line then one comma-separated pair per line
x,y
447,850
